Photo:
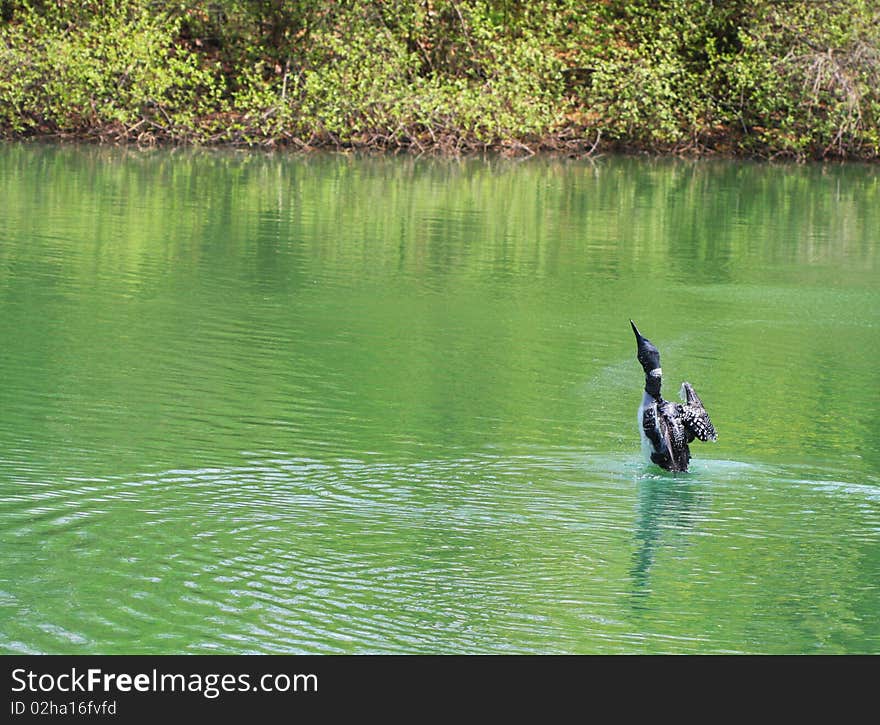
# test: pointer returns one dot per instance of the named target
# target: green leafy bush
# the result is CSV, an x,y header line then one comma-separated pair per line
x,y
809,79
800,78
118,70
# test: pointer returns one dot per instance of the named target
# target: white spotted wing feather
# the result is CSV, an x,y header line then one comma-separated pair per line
x,y
694,416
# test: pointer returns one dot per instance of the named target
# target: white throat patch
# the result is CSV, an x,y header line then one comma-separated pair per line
x,y
656,372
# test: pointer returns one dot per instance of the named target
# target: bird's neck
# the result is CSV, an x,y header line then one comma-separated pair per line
x,y
652,382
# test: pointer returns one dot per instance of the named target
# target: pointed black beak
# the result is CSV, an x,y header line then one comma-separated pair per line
x,y
638,334
648,355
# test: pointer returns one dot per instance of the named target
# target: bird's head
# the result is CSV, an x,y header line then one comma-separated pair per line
x,y
648,355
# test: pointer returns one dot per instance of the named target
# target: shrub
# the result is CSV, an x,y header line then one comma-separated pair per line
x,y
800,78
808,78
122,70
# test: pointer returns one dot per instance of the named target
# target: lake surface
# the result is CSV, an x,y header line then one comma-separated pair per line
x,y
257,404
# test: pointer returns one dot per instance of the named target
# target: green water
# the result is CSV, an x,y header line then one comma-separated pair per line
x,y
335,405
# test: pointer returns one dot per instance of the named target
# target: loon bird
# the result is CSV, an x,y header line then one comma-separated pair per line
x,y
667,428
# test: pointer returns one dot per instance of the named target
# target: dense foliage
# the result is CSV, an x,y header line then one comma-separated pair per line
x,y
799,78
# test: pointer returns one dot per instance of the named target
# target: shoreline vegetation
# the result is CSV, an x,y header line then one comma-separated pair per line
x,y
753,78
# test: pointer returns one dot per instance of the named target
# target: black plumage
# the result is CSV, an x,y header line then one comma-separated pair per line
x,y
668,427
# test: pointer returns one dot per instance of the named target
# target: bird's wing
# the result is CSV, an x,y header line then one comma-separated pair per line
x,y
678,432
668,436
649,425
689,396
694,416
